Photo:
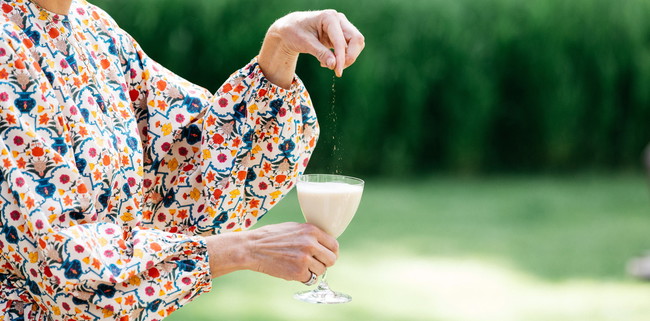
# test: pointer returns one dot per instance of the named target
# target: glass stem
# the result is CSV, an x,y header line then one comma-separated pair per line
x,y
322,285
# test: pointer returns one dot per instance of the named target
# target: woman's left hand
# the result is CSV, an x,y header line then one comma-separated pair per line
x,y
312,32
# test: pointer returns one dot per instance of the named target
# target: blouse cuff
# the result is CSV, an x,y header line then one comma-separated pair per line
x,y
265,90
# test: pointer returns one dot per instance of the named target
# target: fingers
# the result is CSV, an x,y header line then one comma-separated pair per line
x,y
291,251
322,53
322,253
329,244
316,33
354,38
337,39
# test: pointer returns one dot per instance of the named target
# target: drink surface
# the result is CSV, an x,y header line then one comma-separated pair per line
x,y
329,205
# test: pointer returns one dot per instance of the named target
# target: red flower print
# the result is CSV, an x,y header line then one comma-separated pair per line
x,y
47,271
78,248
4,96
18,140
263,186
218,139
82,189
180,118
149,291
53,32
223,102
7,8
134,94
38,151
108,253
64,179
154,273
222,158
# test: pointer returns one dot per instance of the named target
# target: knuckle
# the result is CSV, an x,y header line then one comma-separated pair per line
x,y
322,55
328,14
360,40
335,246
309,228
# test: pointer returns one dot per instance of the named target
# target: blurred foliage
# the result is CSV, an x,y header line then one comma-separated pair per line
x,y
443,85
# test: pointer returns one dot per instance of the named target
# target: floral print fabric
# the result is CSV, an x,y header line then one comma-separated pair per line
x,y
112,167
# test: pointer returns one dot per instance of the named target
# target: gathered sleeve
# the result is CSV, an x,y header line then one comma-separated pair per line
x,y
216,163
60,260
104,202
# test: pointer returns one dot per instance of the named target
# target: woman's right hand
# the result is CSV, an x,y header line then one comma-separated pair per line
x,y
290,251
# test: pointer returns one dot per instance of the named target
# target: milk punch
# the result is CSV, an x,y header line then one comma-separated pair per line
x,y
329,205
329,202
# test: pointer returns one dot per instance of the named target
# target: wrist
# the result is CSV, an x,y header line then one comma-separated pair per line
x,y
228,253
276,60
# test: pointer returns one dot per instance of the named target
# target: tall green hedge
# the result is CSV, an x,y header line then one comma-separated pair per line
x,y
443,85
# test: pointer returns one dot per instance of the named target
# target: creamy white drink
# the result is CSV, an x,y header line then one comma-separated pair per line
x,y
329,205
329,202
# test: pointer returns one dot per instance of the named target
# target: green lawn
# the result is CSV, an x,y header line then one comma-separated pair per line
x,y
502,248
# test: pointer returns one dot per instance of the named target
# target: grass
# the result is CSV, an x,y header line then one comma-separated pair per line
x,y
502,248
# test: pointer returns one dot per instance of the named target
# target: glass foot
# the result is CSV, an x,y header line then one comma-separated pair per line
x,y
322,296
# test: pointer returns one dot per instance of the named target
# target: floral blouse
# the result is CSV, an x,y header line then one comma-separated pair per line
x,y
112,167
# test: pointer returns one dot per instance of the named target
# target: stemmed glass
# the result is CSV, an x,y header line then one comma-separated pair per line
x,y
328,202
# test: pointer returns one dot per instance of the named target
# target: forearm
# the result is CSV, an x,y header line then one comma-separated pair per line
x,y
289,251
277,62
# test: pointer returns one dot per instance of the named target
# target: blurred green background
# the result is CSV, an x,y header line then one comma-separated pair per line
x,y
500,140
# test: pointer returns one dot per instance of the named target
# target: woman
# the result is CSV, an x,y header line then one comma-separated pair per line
x,y
120,180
